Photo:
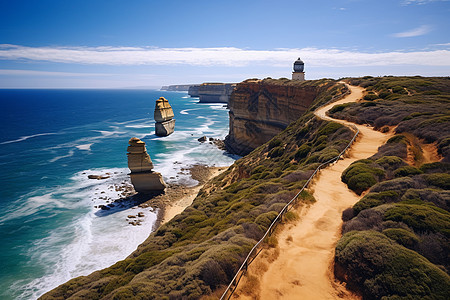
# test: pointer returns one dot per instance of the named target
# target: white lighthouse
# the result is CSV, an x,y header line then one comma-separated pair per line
x,y
298,73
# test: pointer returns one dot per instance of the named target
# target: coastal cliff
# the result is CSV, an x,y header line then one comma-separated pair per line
x,y
260,109
401,224
176,87
215,92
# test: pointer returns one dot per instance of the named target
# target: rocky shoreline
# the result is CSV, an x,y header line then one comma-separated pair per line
x,y
175,198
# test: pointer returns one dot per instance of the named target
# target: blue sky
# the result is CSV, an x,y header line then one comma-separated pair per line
x,y
118,43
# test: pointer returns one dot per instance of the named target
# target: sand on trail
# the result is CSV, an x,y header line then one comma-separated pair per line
x,y
303,268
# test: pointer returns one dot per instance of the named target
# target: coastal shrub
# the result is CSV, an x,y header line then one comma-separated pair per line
x,y
441,180
348,214
390,162
435,247
400,185
329,128
398,138
298,176
370,97
360,175
328,154
274,143
435,167
276,152
381,268
384,94
291,216
339,107
361,182
368,219
374,199
407,171
392,149
440,198
421,218
264,220
404,237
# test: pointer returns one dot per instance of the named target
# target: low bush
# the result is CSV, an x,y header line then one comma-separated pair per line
x,y
274,143
302,152
374,199
370,97
421,218
276,152
361,182
441,180
382,269
404,237
407,171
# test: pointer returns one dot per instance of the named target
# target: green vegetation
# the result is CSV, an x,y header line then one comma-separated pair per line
x,y
396,241
383,269
417,105
201,249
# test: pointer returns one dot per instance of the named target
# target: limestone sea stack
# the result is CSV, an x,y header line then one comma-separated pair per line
x,y
165,123
143,178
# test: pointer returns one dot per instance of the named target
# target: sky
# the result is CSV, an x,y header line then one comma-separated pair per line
x,y
138,43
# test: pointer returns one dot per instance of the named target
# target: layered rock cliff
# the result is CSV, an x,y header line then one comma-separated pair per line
x,y
176,87
143,178
163,115
260,109
193,90
215,92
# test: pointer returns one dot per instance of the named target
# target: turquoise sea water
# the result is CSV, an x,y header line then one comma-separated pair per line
x,y
50,141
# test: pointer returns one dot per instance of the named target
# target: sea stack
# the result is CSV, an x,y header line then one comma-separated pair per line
x,y
165,123
143,178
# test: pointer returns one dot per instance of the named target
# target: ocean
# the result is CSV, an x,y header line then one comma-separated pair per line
x,y
50,141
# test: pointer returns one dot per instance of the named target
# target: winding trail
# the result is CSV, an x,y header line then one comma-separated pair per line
x,y
302,267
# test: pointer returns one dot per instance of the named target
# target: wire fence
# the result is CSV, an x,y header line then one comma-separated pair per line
x,y
259,245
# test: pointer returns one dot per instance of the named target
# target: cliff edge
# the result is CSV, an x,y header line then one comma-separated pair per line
x,y
260,109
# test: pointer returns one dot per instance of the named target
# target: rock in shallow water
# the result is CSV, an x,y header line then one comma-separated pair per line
x,y
143,178
163,115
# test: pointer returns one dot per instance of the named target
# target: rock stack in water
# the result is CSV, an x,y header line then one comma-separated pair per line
x,y
165,123
143,178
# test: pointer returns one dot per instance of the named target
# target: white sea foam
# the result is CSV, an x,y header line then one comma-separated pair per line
x,y
141,126
24,138
109,133
69,154
86,147
185,111
131,121
88,243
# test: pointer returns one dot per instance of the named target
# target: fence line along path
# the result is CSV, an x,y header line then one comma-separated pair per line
x,y
303,268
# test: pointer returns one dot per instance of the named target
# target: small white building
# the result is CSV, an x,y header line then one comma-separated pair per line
x,y
298,73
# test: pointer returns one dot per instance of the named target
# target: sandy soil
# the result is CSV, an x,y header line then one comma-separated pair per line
x,y
178,204
303,268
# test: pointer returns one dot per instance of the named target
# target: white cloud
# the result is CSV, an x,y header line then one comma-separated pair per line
x,y
424,29
227,56
421,2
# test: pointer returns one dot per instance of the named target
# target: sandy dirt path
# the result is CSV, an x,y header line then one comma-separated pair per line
x,y
303,268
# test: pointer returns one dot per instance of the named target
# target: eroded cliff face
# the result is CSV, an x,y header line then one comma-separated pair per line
x,y
260,109
215,92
